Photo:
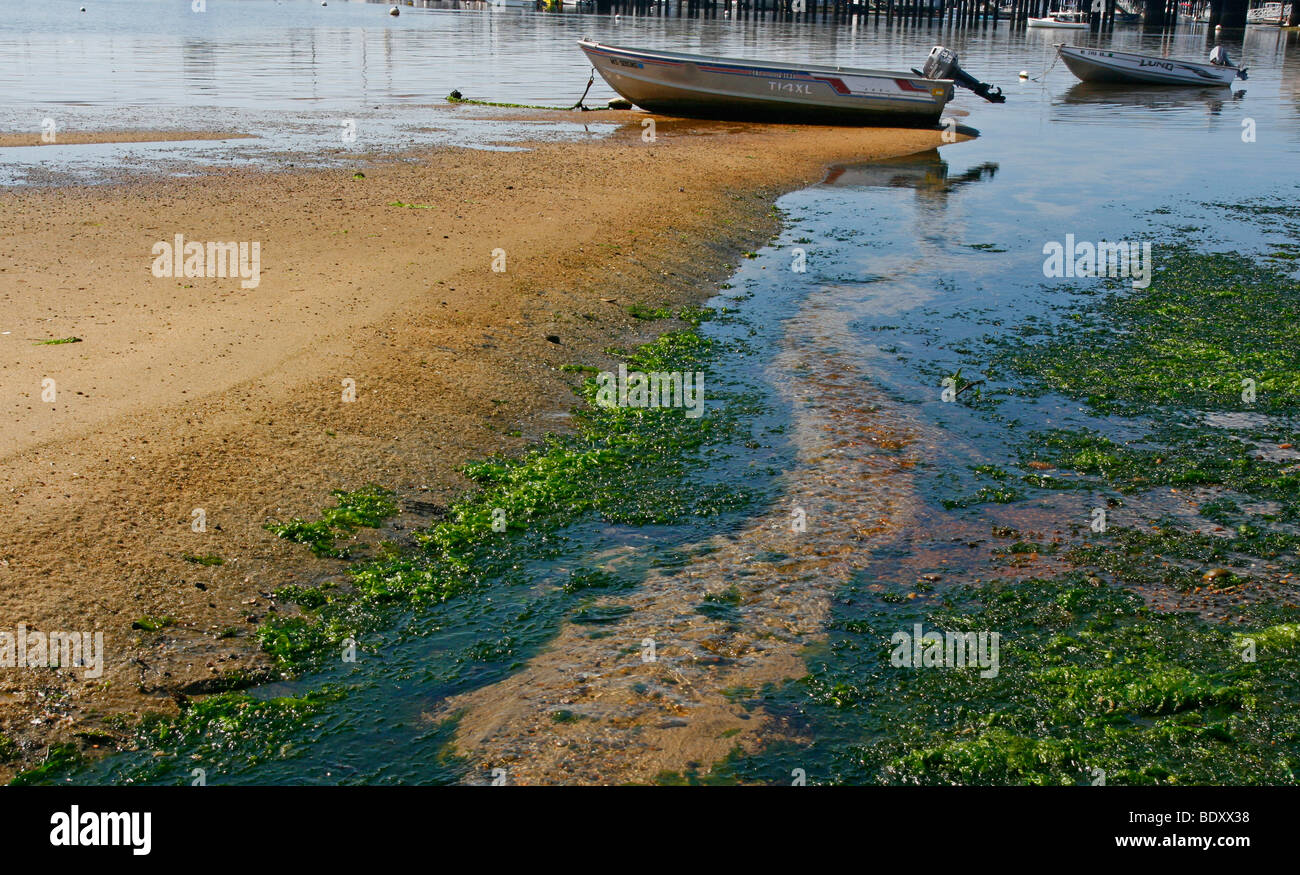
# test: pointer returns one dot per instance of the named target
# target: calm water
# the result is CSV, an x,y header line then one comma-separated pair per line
x,y
906,261
291,72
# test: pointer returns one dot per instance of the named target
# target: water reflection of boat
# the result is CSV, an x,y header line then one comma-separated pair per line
x,y
1115,95
925,172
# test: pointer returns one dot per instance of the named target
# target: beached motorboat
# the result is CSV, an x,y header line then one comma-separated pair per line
x,y
1108,65
700,86
1061,21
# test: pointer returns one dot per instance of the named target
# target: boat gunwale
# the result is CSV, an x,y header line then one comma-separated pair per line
x,y
759,65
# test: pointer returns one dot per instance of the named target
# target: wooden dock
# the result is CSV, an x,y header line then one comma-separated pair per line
x,y
1163,14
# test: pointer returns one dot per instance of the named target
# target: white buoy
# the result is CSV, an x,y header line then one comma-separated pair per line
x,y
394,11
1024,74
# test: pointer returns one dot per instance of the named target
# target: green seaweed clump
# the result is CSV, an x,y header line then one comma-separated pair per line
x,y
60,760
366,507
1092,687
1213,331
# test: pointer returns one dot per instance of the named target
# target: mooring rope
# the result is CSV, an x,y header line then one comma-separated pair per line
x,y
1040,76
579,105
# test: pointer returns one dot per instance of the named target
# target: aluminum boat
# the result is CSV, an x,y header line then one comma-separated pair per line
x,y
1107,65
699,86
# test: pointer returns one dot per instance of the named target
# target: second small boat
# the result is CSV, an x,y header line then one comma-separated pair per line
x,y
1107,65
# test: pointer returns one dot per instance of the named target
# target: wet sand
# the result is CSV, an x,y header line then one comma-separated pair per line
x,y
78,138
195,393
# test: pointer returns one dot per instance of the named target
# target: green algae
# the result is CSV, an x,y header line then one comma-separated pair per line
x,y
1091,682
583,579
1207,324
227,730
367,507
1169,455
1281,638
220,734
1214,334
456,98
624,465
1094,686
643,311
59,760
153,624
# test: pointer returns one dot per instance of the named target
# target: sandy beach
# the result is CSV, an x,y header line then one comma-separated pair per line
x,y
175,399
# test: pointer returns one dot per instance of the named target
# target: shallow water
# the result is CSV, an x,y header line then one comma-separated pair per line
x,y
292,73
907,261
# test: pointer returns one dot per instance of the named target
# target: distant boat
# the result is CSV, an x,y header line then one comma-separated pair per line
x,y
700,86
1106,65
1062,21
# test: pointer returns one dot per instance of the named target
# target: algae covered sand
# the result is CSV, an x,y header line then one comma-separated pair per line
x,y
1164,651
506,547
1150,643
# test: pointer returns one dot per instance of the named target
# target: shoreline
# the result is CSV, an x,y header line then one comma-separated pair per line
x,y
196,394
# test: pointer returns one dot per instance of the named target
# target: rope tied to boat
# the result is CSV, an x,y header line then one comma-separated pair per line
x,y
579,104
1040,76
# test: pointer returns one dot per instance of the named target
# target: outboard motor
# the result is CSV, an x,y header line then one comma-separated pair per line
x,y
1219,58
942,64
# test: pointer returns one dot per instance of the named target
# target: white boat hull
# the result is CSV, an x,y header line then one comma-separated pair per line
x,y
1058,25
697,86
1105,65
